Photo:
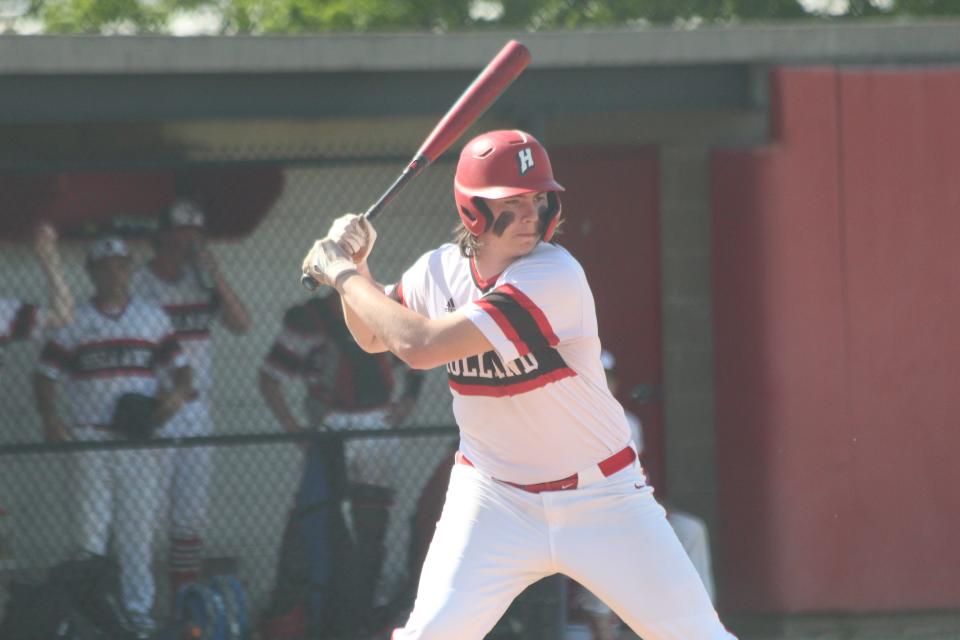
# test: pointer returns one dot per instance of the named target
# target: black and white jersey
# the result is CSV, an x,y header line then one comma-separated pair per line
x,y
192,309
99,357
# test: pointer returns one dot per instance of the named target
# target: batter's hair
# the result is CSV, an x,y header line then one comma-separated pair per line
x,y
469,247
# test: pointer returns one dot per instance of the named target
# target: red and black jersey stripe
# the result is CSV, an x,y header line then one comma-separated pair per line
x,y
522,321
486,375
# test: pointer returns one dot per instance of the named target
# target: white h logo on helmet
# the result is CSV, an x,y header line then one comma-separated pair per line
x,y
525,160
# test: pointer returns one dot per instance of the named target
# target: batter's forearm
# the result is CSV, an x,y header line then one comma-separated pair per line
x,y
363,334
395,327
421,342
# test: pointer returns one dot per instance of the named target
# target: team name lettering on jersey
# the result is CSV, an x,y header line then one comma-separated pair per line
x,y
191,320
487,375
113,358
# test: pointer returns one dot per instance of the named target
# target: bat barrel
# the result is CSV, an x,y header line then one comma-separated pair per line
x,y
482,92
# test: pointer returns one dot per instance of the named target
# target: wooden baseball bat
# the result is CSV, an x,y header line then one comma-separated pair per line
x,y
512,59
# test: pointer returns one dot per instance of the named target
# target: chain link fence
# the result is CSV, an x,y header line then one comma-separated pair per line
x,y
295,415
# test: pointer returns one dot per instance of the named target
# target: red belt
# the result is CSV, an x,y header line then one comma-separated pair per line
x,y
618,461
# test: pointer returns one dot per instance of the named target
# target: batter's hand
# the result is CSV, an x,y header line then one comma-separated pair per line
x,y
355,235
327,262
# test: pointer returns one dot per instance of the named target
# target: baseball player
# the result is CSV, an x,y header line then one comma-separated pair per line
x,y
21,320
117,344
184,279
346,388
546,479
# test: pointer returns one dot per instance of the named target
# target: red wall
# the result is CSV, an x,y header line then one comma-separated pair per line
x,y
837,302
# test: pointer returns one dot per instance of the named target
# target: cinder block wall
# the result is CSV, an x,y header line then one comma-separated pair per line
x,y
688,393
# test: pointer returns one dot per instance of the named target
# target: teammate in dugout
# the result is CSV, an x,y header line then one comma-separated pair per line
x,y
346,388
184,278
117,344
546,479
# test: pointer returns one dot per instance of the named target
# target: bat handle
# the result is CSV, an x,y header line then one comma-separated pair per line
x,y
418,164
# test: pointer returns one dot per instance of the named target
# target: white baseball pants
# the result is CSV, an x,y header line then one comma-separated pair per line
x,y
494,540
120,488
187,470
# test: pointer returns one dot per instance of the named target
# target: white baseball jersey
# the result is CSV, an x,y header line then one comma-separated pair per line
x,y
101,357
192,309
537,408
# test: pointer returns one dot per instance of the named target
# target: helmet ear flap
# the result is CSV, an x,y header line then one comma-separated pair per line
x,y
551,216
477,217
485,212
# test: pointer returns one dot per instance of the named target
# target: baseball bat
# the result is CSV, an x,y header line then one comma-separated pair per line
x,y
502,70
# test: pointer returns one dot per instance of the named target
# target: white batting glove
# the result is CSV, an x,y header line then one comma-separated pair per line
x,y
355,235
327,262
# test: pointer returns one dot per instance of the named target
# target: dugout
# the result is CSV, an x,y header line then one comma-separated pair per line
x,y
769,224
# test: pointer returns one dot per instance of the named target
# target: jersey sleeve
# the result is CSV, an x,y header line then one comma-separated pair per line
x,y
411,290
537,305
298,336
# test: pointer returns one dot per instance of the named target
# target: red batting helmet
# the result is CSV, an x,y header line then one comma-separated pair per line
x,y
501,164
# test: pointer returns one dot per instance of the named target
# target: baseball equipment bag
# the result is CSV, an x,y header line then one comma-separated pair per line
x,y
214,611
134,416
44,612
314,569
92,584
234,597
203,608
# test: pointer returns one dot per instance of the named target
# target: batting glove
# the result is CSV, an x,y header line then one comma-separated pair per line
x,y
327,262
355,235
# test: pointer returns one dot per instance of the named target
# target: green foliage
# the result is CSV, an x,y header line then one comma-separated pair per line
x,y
314,16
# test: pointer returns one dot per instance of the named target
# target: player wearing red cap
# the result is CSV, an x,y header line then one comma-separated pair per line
x,y
546,478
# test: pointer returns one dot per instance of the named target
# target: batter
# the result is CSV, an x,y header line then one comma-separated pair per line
x,y
546,479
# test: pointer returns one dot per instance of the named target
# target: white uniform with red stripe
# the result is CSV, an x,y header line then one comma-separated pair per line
x,y
192,309
537,410
98,358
